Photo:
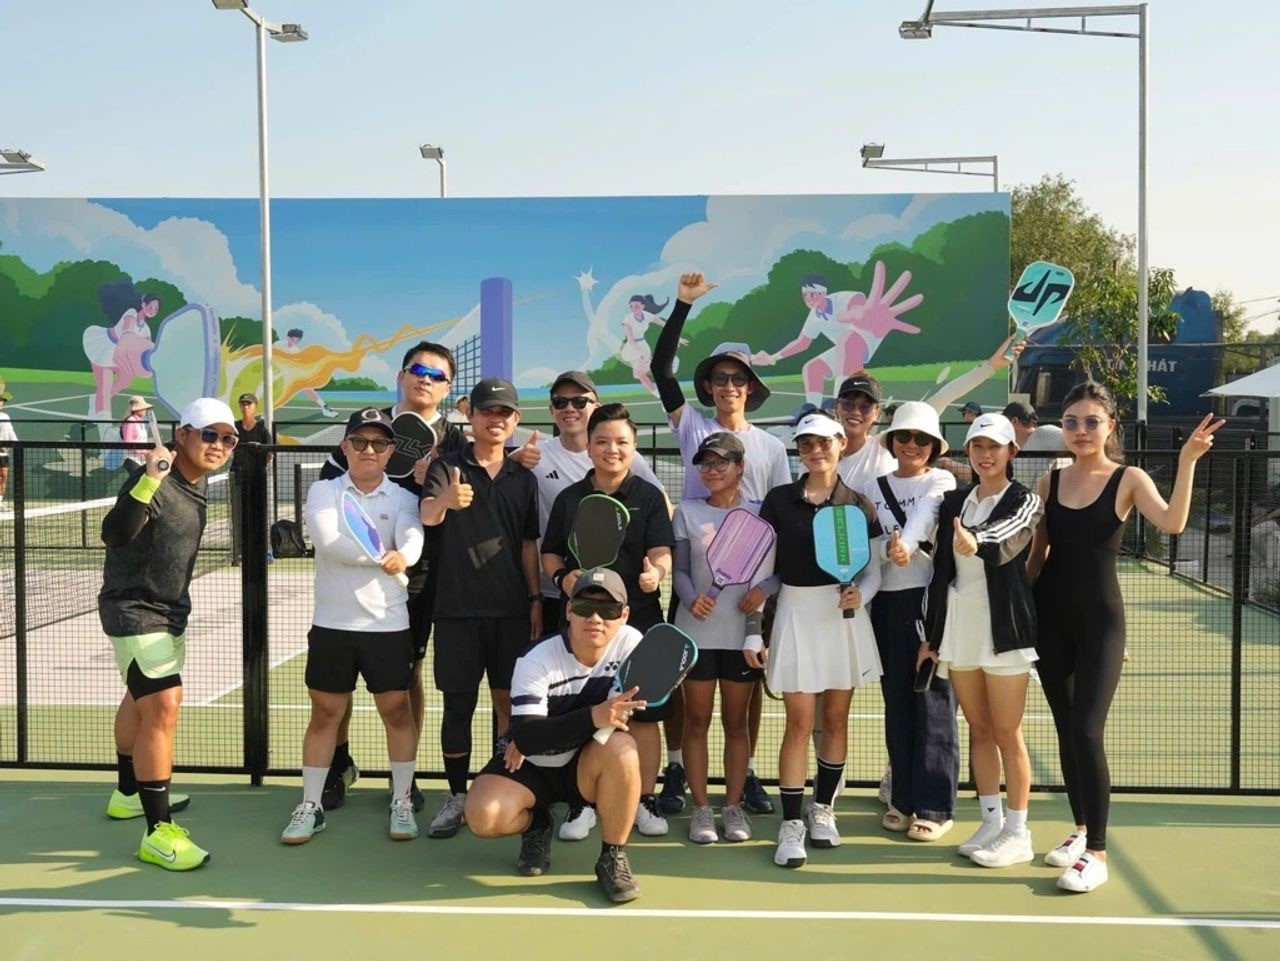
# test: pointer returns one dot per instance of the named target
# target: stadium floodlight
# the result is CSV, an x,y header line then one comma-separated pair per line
x,y
1045,20
873,158
19,162
285,33
432,152
871,151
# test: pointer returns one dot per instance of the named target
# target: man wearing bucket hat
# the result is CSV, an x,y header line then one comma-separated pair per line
x,y
152,535
726,382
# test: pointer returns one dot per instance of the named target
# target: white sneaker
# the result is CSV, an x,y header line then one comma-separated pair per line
x,y
886,785
1009,847
734,821
702,826
790,851
649,819
577,824
822,826
987,832
1086,874
1066,853
328,411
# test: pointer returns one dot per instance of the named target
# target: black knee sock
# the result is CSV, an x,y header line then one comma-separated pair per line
x,y
455,770
126,781
540,821
829,777
792,802
155,802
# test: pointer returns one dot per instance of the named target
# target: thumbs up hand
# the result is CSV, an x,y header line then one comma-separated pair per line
x,y
965,543
460,493
650,577
896,551
528,456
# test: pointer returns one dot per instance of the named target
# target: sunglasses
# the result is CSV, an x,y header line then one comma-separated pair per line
x,y
422,370
577,403
717,466
210,436
917,437
737,378
848,404
806,445
361,444
585,607
1089,423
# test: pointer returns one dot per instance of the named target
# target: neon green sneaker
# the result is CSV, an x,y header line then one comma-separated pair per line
x,y
171,848
123,807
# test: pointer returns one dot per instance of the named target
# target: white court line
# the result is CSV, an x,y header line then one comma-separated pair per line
x,y
649,913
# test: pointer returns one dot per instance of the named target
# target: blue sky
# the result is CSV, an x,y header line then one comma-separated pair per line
x,y
156,98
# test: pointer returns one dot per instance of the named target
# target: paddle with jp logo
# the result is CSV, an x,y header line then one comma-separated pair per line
x,y
1038,298
841,543
657,665
415,439
738,549
360,526
598,530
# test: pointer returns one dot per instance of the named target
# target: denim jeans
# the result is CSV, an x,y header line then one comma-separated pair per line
x,y
919,729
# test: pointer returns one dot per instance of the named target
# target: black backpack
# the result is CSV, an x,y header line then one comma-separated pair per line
x,y
286,540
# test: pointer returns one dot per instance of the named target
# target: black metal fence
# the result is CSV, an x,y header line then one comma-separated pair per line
x,y
1197,709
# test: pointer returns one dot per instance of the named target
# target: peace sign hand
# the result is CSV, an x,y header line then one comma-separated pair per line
x,y
1201,440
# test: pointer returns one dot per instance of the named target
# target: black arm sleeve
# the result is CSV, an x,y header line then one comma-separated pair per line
x,y
124,521
547,735
664,355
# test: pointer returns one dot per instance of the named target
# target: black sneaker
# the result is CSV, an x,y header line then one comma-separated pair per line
x,y
535,851
613,874
417,798
754,798
671,800
341,776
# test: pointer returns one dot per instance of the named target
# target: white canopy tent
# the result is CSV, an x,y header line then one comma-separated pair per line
x,y
1263,383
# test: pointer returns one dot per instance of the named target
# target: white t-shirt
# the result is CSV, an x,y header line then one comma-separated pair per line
x,y
6,429
920,499
765,457
559,468
866,464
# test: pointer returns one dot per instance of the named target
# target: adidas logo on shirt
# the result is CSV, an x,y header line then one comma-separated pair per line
x,y
554,475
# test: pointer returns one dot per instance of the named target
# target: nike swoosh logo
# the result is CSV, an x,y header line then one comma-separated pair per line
x,y
167,857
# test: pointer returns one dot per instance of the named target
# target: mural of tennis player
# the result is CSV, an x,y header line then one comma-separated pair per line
x,y
292,339
635,350
854,322
115,353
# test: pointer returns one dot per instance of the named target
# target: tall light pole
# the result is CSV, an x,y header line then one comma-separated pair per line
x,y
15,161
1032,20
285,33
430,152
873,158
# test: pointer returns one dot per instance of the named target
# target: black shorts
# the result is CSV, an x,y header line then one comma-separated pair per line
x,y
334,658
724,666
547,784
421,605
553,615
468,650
139,685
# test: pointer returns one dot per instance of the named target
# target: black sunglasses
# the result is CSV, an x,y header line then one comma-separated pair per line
x,y
917,437
737,378
361,444
577,403
585,607
211,436
422,370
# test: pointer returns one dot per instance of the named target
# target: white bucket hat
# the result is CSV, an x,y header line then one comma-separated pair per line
x,y
915,415
994,426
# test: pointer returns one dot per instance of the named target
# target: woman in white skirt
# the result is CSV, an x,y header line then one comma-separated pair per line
x,y
814,649
980,630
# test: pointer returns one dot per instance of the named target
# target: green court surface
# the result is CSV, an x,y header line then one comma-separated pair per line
x,y
1191,878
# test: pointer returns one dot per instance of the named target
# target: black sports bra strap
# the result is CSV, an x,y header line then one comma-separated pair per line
x,y
1113,483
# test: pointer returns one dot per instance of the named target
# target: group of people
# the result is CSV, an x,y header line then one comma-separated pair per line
x,y
967,589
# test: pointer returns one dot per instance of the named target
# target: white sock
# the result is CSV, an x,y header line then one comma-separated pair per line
x,y
989,805
313,783
401,778
676,757
1016,820
751,764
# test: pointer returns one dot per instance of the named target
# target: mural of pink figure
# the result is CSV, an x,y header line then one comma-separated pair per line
x,y
854,322
115,353
635,351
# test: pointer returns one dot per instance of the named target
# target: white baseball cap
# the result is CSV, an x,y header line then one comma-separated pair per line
x,y
994,426
205,412
817,424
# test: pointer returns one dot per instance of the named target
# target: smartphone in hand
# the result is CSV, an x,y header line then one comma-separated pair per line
x,y
924,676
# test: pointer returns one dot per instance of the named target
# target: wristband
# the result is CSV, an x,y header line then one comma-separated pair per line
x,y
558,578
534,597
145,488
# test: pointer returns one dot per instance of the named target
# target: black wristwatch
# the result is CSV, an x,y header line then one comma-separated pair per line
x,y
534,597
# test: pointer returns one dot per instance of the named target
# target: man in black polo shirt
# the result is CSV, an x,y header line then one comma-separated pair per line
x,y
643,561
251,430
481,509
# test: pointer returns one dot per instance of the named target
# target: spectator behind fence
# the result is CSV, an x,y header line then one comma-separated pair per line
x,y
133,430
251,430
7,436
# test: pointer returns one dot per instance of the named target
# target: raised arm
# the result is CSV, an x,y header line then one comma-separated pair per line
x,y
1171,517
662,366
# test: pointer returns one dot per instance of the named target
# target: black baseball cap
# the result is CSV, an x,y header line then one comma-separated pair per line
x,y
972,407
494,392
600,579
578,378
723,444
861,383
1020,411
370,417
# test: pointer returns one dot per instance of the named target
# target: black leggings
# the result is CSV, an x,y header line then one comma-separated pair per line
x,y
1081,654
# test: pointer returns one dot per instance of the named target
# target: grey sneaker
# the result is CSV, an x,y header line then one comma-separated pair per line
x,y
822,826
307,821
404,826
449,818
734,821
702,826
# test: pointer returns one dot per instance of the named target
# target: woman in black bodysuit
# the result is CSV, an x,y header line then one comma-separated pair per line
x,y
1080,609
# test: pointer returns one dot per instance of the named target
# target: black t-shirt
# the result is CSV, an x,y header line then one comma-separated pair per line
x,y
791,515
477,552
649,527
257,434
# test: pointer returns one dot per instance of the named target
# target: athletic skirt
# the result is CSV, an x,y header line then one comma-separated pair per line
x,y
814,648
